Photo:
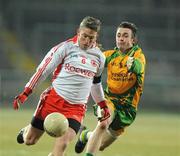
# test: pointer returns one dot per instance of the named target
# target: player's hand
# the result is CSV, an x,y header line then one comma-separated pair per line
x,y
129,62
21,98
104,111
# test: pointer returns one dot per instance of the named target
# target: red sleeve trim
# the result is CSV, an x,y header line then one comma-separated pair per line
x,y
39,73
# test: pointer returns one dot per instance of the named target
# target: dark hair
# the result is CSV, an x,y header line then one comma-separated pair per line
x,y
129,25
91,23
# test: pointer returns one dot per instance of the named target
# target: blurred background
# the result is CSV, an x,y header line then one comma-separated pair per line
x,y
29,28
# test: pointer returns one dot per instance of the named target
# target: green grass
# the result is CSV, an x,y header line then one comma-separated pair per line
x,y
152,134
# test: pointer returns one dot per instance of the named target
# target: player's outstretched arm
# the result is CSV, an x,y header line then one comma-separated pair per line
x,y
98,96
21,98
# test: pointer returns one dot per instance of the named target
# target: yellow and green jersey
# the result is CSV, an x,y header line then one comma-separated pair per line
x,y
124,87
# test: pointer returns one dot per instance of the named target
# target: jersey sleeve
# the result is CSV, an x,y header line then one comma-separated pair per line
x,y
97,92
101,65
108,57
139,66
52,59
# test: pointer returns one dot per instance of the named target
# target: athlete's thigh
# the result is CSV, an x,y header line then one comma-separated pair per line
x,y
121,119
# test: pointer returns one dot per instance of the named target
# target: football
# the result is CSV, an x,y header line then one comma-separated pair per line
x,y
55,124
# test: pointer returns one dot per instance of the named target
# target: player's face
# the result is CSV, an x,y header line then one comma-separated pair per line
x,y
86,38
124,39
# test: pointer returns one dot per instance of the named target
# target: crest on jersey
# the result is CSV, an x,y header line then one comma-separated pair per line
x,y
93,63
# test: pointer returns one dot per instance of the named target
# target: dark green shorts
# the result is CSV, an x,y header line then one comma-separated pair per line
x,y
123,117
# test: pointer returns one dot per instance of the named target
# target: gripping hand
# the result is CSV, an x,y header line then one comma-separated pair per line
x,y
102,111
129,63
21,98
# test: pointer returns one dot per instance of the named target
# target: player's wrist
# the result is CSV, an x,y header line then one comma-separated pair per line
x,y
27,91
102,104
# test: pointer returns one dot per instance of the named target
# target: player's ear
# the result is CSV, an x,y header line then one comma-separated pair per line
x,y
77,31
135,41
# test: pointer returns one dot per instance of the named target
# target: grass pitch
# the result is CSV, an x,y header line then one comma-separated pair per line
x,y
152,134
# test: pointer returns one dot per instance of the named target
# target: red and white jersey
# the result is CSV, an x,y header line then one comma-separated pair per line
x,y
73,70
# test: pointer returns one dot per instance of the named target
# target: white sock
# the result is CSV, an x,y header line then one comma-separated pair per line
x,y
26,129
89,135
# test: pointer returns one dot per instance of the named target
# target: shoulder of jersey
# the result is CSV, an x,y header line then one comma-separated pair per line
x,y
98,52
72,40
108,52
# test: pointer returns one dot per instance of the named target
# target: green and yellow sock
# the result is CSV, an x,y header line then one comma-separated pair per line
x,y
83,136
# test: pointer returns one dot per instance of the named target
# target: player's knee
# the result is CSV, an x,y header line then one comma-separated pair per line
x,y
102,148
115,133
30,141
103,125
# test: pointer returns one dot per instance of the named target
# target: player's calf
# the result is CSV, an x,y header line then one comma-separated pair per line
x,y
109,137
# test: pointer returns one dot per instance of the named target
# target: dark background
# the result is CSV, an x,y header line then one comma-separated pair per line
x,y
29,28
